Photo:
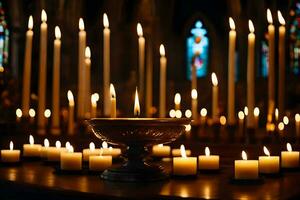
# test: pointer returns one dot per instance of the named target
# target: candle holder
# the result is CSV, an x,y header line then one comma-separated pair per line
x,y
137,135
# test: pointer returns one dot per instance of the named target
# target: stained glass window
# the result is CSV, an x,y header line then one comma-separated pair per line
x,y
295,39
4,39
264,59
197,45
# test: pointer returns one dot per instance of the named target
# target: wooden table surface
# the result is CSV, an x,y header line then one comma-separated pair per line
x,y
35,179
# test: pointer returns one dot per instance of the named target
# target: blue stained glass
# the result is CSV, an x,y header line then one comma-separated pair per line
x,y
197,50
295,40
264,59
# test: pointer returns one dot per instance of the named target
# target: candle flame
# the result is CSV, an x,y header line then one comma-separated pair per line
x,y
19,113
231,23
112,91
46,142
177,98
47,113
266,151
194,94
93,99
31,112
71,149
139,30
246,111
281,126
57,144
214,79
244,155
289,147
70,98
297,117
96,96
104,145
251,26
92,146
188,128
256,112
87,52
269,16
81,24
67,145
105,21
136,104
207,151
31,140
286,120
30,22
203,112
160,145
178,114
182,151
280,18
223,120
44,16
57,32
241,115
172,113
188,113
11,146
162,50
276,113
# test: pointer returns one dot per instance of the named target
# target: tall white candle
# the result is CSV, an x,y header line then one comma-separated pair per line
x,y
42,74
281,61
194,95
250,76
113,102
88,80
162,81
231,73
106,65
55,129
71,113
297,124
27,69
141,42
271,70
215,96
81,70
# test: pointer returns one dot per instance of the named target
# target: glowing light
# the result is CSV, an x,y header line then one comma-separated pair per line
x,y
31,112
280,18
251,26
67,145
276,113
223,120
203,112
188,128
207,151
194,94
57,32
172,113
31,140
188,113
160,145
177,98
178,114
244,155
57,144
139,30
231,23
30,22
70,98
214,79
269,16
256,112
96,96
286,120
246,111
162,50
297,117
87,52
112,91
11,146
105,21
182,151
71,149
47,113
44,16
46,143
92,146
19,113
104,145
266,151
81,24
289,147
136,104
281,126
241,115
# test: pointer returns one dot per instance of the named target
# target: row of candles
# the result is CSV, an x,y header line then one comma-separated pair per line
x,y
183,163
84,63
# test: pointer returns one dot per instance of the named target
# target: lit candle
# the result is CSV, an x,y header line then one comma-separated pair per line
x,y
94,106
256,116
241,117
231,73
281,62
183,166
194,95
245,169
10,155
45,148
106,65
88,80
47,115
31,149
178,114
161,150
208,162
113,102
31,115
276,114
27,68
268,164
289,158
177,152
70,160
81,70
271,59
215,94
114,152
41,123
91,151
172,113
177,100
162,82
285,120
188,113
223,120
203,114
53,153
250,76
55,129
71,112
136,109
19,114
141,42
99,162
297,124
280,127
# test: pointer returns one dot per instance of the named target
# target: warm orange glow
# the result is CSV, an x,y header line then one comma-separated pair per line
x,y
231,24
139,30
31,112
92,146
223,120
281,126
87,52
104,145
30,22
47,113
285,120
136,104
194,94
269,16
67,145
177,98
44,16
244,155
256,112
81,24
162,50
31,140
203,112
71,149
297,117
207,151
266,151
241,115
289,147
46,142
19,113
280,18
188,128
112,91
93,100
214,79
105,21
70,98
57,144
246,111
188,113
178,114
251,26
172,113
57,32
11,146
182,151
